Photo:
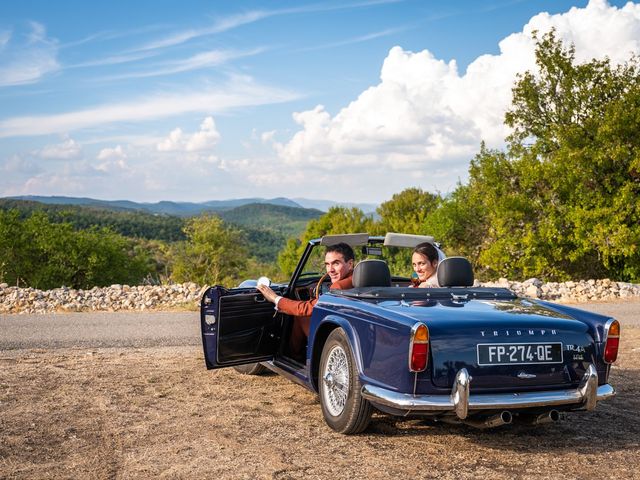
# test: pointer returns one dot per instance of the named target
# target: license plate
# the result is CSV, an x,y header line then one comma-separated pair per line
x,y
519,353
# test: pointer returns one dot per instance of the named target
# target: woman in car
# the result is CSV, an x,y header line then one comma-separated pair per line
x,y
425,264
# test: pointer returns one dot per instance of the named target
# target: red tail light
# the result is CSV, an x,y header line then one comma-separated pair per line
x,y
419,348
612,340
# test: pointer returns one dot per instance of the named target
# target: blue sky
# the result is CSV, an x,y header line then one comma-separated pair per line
x,y
192,101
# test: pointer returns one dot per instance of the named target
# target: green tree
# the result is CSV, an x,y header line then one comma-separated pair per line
x,y
214,253
16,250
459,222
336,221
564,200
407,212
37,253
576,140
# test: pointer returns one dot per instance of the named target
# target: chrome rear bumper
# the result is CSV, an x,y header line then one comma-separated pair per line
x,y
461,402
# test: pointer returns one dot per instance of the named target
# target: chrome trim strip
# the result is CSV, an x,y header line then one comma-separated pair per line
x,y
460,401
605,329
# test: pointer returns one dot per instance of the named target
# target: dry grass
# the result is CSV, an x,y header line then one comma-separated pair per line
x,y
140,413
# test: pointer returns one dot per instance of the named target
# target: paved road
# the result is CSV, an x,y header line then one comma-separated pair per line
x,y
120,329
628,312
99,329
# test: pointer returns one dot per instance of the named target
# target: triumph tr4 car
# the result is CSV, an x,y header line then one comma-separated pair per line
x,y
458,353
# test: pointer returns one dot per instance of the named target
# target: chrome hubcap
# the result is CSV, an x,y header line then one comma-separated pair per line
x,y
336,381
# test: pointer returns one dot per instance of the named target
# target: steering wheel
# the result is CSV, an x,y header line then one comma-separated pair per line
x,y
319,285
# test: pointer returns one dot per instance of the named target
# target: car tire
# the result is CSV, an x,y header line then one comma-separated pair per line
x,y
251,369
343,407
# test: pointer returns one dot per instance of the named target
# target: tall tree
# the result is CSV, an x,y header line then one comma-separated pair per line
x,y
564,199
37,253
214,253
578,154
337,220
407,212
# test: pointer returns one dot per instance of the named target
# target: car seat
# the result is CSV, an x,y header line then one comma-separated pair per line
x,y
455,272
371,273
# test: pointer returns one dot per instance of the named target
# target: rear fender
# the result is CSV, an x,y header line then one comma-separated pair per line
x,y
594,321
319,337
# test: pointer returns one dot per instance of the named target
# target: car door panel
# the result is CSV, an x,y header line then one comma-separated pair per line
x,y
238,326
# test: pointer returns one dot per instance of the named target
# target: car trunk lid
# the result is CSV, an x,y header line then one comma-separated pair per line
x,y
504,344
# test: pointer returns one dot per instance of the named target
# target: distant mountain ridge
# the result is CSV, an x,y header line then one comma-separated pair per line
x,y
265,226
187,209
325,205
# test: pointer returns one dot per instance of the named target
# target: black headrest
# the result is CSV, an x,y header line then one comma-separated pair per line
x,y
371,273
455,272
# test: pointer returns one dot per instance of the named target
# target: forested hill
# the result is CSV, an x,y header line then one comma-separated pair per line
x,y
266,227
290,221
129,223
179,209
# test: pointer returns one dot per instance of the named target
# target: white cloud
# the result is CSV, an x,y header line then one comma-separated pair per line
x,y
425,115
222,25
240,91
27,62
112,159
66,150
112,153
54,184
359,39
199,61
114,60
173,142
18,164
230,22
268,137
5,36
204,139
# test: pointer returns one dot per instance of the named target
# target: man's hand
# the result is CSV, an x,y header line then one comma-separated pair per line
x,y
267,293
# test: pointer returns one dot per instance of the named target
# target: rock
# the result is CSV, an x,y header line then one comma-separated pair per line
x,y
533,291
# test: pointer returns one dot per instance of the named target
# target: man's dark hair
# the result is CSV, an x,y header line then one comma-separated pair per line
x,y
428,250
344,249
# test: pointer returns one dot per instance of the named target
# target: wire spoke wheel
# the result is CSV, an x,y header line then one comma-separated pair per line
x,y
336,380
343,407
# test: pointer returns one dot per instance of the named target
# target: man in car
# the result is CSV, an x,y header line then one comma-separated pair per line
x,y
338,261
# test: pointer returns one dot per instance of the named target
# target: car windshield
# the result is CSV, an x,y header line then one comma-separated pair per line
x,y
398,259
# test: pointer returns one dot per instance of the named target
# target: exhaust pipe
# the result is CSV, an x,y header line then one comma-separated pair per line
x,y
502,418
551,416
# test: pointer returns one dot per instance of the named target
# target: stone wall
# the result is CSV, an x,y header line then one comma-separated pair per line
x,y
187,295
110,299
570,292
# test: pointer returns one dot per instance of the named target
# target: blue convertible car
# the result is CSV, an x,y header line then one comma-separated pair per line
x,y
459,353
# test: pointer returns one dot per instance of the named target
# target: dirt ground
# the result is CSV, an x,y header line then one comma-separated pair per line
x,y
157,412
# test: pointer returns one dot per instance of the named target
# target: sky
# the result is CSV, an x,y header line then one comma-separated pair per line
x,y
350,100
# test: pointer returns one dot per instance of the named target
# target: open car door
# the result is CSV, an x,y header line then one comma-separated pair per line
x,y
238,326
